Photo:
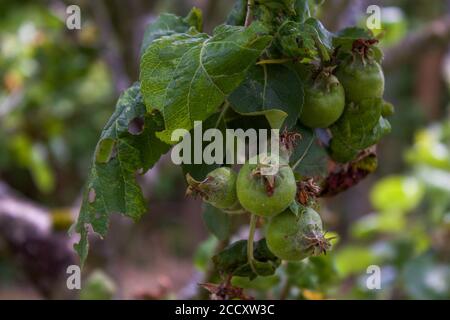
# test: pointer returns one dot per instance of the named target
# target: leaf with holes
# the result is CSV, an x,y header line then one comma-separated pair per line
x,y
128,146
188,77
297,40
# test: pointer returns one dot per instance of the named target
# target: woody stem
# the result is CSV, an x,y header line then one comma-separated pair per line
x,y
251,236
249,16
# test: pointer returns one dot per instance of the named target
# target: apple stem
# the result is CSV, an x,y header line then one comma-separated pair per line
x,y
251,236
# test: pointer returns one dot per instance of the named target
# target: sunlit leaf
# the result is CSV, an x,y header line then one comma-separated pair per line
x,y
188,77
397,193
167,24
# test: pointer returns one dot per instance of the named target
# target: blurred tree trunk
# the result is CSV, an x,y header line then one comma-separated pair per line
x,y
42,253
338,14
121,26
429,84
434,35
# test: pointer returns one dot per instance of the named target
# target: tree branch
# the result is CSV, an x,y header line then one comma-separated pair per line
x,y
435,34
43,254
249,16
110,46
337,14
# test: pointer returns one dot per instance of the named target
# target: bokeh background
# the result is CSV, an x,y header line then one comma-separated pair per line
x,y
58,88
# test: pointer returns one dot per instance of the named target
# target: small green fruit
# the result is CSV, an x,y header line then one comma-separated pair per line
x,y
292,237
218,189
266,195
324,102
361,79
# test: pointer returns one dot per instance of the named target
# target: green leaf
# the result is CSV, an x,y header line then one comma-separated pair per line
x,y
32,157
245,122
195,19
369,225
354,33
286,5
305,40
377,54
354,260
200,171
382,128
302,10
314,273
346,37
267,90
323,38
237,15
127,145
98,286
296,208
232,257
397,193
187,77
233,260
297,40
309,157
430,149
425,278
360,127
204,253
217,222
261,284
167,24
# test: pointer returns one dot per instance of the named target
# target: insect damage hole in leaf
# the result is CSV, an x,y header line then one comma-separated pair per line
x,y
119,155
105,150
92,195
136,126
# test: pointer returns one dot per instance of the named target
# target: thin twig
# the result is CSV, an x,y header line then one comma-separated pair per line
x,y
249,16
437,33
285,290
251,236
110,46
304,154
43,253
222,114
274,61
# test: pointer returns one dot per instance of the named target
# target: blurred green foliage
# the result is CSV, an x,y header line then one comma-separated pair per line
x,y
55,93
98,286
